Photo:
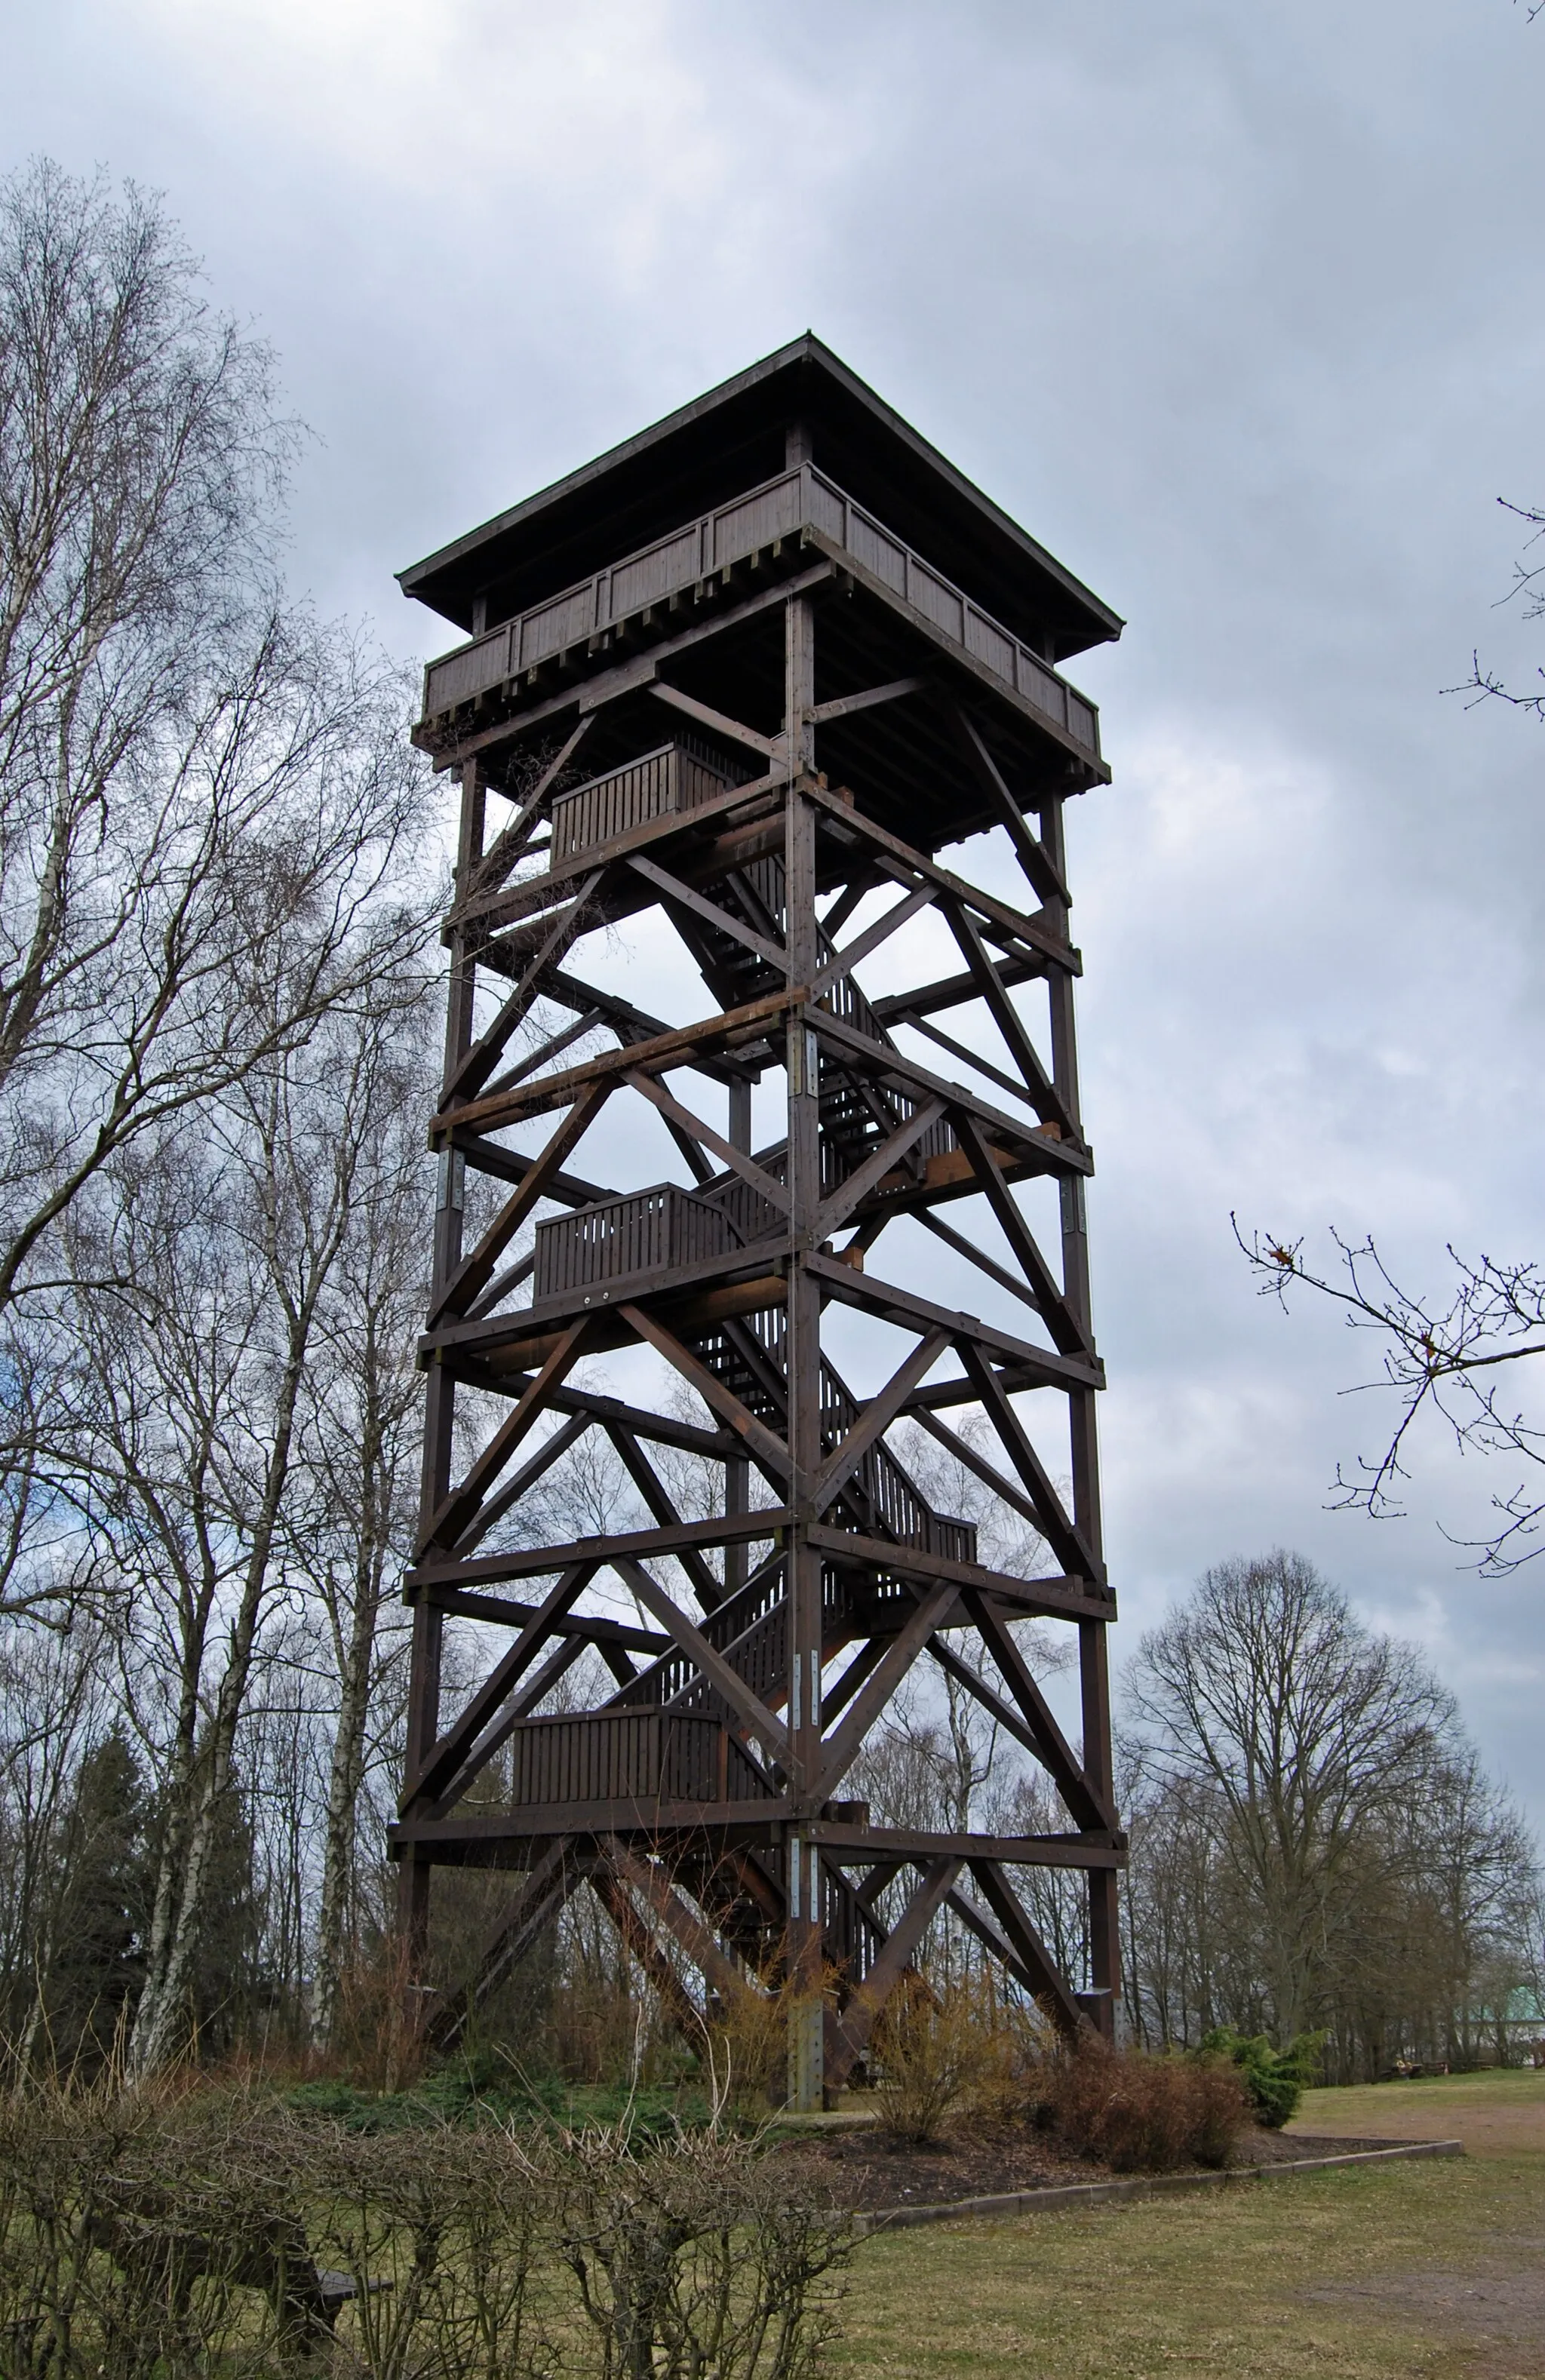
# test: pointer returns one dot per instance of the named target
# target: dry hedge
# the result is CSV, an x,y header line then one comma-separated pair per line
x,y
145,2239
1142,2114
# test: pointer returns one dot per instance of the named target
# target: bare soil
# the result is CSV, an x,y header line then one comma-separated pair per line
x,y
1494,2307
863,2171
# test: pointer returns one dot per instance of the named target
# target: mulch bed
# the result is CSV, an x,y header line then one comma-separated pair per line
x,y
861,2172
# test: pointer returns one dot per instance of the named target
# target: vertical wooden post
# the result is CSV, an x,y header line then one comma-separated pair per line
x,y
738,1470
429,1625
1094,1680
807,2024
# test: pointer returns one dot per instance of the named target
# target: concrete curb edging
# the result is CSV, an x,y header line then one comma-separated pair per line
x,y
1095,2193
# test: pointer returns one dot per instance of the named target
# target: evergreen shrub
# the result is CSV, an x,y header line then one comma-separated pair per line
x,y
1275,2079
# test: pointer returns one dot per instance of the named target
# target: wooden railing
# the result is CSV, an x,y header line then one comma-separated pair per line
x,y
676,777
645,1756
795,501
650,1232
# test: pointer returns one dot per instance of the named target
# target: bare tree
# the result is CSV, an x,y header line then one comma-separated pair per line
x,y
199,1277
208,814
352,1528
1266,1691
1430,1915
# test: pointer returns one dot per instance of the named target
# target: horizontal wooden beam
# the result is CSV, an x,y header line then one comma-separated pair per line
x,y
503,1833
893,1304
520,1341
1061,1598
840,1840
641,1545
675,1047
592,1628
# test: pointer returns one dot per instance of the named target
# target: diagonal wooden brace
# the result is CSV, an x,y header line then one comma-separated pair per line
x,y
476,1269
863,2011
875,1418
771,1452
462,1502
718,1970
483,1056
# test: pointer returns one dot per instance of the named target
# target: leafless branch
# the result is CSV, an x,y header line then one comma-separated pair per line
x,y
1454,1358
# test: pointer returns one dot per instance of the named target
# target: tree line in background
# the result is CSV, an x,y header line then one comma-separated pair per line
x,y
218,883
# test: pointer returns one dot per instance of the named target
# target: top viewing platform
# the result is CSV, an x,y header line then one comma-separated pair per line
x,y
792,472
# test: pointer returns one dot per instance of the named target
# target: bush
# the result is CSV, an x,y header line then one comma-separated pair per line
x,y
942,2052
696,2258
1274,2079
445,2236
1140,2114
144,2235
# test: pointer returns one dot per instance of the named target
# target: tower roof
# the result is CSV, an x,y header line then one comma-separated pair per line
x,y
733,437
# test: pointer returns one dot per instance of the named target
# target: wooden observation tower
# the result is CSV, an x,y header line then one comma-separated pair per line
x,y
729,691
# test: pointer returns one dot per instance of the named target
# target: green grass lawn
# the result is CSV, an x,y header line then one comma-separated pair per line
x,y
1435,2269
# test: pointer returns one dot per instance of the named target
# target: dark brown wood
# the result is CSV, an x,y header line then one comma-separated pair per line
x,y
1038,1082
1040,873
545,1888
706,716
917,867
1066,1326
833,1211
859,2017
1062,1598
476,1270
683,1044
507,848
443,1758
640,1544
1090,1848
696,1790
839,1750
843,706
875,1419
1004,1903
748,1707
447,1524
653,1885
1042,1145
483,1055
894,1304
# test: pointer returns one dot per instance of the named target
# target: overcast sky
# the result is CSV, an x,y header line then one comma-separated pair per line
x,y
1236,307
